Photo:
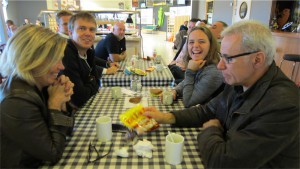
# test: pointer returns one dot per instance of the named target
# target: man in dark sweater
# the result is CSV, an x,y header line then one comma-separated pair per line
x,y
254,122
113,47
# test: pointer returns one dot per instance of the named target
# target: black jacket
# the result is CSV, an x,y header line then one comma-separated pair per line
x,y
30,132
85,77
261,125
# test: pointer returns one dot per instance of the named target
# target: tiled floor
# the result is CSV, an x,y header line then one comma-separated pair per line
x,y
157,41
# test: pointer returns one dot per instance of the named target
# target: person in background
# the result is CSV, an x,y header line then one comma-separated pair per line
x,y
244,126
10,28
35,116
38,22
217,28
26,22
62,19
179,37
113,47
202,78
201,23
180,61
184,26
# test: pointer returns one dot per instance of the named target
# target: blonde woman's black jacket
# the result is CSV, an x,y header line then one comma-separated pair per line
x,y
260,126
85,77
30,132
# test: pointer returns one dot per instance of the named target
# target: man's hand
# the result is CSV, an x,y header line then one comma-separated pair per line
x,y
163,118
212,122
116,64
112,70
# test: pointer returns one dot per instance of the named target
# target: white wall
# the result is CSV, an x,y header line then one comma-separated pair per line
x,y
260,10
104,4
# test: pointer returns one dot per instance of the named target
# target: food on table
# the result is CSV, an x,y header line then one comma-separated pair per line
x,y
134,119
130,70
155,92
150,69
135,100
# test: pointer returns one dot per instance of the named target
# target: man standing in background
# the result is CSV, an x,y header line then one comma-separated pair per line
x,y
62,19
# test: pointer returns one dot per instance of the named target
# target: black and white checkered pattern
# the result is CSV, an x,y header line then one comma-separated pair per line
x,y
154,78
75,154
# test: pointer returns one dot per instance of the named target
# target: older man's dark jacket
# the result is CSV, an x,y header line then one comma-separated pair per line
x,y
260,126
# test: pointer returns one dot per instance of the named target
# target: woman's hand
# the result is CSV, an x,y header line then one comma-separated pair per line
x,y
59,93
195,65
163,118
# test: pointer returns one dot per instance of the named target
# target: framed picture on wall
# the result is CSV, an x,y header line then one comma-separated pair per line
x,y
243,10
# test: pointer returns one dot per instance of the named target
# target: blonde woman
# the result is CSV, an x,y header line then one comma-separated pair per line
x,y
33,110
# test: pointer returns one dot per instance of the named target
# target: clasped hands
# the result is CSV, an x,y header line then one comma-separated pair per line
x,y
60,92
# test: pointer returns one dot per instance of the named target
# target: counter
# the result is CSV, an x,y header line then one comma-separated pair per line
x,y
287,43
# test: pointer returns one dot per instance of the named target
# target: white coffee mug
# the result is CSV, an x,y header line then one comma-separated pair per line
x,y
116,92
174,148
167,98
104,128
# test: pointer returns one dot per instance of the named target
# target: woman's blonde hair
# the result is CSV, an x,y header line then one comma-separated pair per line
x,y
31,47
213,56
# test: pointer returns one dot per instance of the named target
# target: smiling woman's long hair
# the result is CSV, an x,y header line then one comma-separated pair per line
x,y
29,49
212,56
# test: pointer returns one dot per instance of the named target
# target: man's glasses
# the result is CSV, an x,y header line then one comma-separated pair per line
x,y
92,157
230,59
131,138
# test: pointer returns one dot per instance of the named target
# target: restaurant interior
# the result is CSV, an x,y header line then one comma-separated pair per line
x,y
151,27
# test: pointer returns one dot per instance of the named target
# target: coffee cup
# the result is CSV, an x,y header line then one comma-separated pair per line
x,y
104,128
116,92
174,148
167,98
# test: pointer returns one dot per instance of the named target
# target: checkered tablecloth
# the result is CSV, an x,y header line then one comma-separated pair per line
x,y
76,151
154,78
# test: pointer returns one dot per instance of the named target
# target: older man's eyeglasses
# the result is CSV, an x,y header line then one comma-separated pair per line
x,y
94,154
230,59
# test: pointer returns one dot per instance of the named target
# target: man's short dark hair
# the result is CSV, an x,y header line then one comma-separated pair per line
x,y
9,22
81,15
63,13
224,24
194,20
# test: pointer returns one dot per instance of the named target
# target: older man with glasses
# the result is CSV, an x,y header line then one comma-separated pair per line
x,y
254,122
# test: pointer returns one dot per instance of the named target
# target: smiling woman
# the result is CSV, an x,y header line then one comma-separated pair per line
x,y
31,62
202,79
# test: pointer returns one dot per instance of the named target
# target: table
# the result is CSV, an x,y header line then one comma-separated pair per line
x,y
154,78
76,151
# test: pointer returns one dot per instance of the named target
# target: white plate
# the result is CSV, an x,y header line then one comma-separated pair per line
x,y
143,102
